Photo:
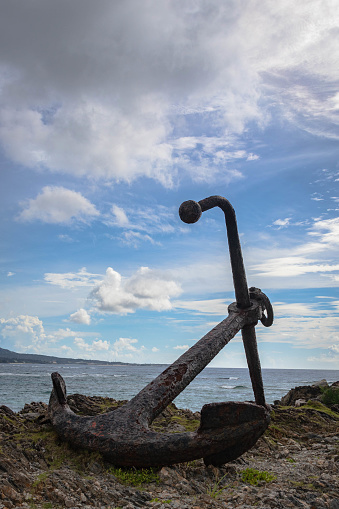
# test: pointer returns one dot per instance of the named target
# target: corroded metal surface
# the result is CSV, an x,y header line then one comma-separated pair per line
x,y
226,431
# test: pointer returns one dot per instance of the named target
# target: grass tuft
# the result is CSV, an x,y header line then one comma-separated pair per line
x,y
254,477
134,476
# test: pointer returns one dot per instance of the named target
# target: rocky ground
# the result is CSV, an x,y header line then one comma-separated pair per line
x,y
295,464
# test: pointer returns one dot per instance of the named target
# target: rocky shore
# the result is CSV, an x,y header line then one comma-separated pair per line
x,y
295,464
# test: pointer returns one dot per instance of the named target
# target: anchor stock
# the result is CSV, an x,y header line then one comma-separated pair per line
x,y
226,431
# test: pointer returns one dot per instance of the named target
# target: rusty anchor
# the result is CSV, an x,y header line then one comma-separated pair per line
x,y
226,430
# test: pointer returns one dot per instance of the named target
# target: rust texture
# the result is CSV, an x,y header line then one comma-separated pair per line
x,y
226,431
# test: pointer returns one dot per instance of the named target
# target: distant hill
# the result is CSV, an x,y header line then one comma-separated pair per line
x,y
6,356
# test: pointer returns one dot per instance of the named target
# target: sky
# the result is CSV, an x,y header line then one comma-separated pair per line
x,y
114,112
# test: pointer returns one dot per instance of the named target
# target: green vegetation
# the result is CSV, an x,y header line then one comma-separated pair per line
x,y
254,477
160,500
300,484
173,415
320,407
290,460
40,479
134,476
188,424
330,395
216,489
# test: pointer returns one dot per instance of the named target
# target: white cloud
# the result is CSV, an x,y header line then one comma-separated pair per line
x,y
61,334
28,327
120,216
146,289
181,347
10,274
57,205
28,333
155,349
211,306
252,157
114,106
150,220
306,325
289,266
80,316
133,239
316,257
123,344
140,224
327,231
282,222
82,278
95,346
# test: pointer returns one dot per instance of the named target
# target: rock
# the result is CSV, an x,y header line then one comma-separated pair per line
x,y
6,411
304,392
300,402
298,453
321,383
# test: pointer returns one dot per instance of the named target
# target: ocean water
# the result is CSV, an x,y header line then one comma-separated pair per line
x,y
24,383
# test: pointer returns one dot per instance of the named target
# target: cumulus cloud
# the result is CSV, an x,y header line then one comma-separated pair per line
x,y
28,326
335,348
80,316
123,344
57,205
28,333
119,105
95,346
181,347
146,289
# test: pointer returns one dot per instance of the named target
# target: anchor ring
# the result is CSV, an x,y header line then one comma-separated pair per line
x,y
257,294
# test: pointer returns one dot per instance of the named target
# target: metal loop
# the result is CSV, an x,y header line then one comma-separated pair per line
x,y
257,294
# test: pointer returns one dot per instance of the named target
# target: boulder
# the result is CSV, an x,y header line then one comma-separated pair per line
x,y
321,383
300,402
304,392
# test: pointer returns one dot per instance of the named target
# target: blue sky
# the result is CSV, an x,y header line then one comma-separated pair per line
x,y
112,114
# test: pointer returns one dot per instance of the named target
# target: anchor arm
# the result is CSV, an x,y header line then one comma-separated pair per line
x,y
155,397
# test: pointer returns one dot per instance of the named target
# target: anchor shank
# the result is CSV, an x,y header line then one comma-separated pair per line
x,y
155,397
190,212
253,362
237,263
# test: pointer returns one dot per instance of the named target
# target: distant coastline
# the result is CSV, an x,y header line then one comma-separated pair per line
x,y
9,357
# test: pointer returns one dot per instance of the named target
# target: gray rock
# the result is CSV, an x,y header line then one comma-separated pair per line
x,y
320,383
300,402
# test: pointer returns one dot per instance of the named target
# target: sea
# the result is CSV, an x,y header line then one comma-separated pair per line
x,y
24,383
